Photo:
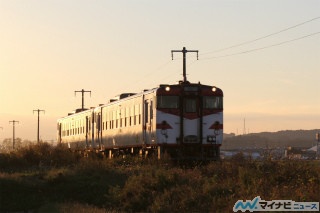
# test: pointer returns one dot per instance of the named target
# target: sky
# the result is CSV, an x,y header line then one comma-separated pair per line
x,y
264,55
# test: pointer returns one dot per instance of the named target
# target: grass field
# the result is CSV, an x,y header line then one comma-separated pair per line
x,y
43,178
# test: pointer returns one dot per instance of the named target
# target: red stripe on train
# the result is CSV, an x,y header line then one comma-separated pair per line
x,y
190,115
164,125
216,126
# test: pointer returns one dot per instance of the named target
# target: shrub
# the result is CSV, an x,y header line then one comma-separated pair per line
x,y
53,177
42,156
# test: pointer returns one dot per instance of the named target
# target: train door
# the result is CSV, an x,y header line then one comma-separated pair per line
x,y
191,120
59,133
92,130
87,130
147,121
151,122
98,130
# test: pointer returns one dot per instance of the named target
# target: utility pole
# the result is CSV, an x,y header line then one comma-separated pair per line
x,y
38,132
184,51
82,91
13,138
318,146
1,127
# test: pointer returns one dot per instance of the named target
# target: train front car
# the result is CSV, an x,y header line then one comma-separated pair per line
x,y
190,120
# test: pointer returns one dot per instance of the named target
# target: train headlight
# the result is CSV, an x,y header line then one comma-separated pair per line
x,y
167,88
214,89
211,138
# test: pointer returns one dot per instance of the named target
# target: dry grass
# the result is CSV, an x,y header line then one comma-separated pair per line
x,y
52,179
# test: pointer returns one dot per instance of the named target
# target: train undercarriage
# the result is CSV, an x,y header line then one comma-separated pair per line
x,y
174,152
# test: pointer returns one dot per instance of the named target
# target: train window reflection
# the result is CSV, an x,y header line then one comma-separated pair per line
x,y
212,102
168,102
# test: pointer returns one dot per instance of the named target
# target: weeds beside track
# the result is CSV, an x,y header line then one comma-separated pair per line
x,y
44,178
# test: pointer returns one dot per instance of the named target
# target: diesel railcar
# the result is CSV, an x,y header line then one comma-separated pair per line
x,y
183,120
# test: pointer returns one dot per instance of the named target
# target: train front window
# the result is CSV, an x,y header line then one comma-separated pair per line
x,y
168,102
191,105
212,102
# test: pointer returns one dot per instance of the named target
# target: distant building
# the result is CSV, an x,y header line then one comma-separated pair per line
x,y
228,135
298,153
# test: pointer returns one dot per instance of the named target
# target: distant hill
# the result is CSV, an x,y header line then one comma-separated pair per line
x,y
294,138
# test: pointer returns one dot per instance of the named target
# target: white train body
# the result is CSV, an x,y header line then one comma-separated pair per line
x,y
183,120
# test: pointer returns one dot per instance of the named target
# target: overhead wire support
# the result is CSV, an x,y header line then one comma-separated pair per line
x,y
184,51
13,136
82,91
38,132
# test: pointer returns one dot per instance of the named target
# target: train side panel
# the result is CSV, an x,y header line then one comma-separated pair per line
x,y
123,125
129,122
74,130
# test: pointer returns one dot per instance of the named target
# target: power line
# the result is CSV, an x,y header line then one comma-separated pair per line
x,y
261,48
155,71
240,53
260,38
257,39
237,45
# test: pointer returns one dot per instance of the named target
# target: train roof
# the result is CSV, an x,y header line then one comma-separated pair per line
x,y
121,96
